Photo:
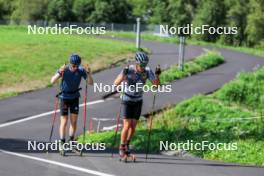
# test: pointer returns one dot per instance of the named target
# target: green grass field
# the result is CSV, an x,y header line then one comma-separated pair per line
x,y
226,116
28,61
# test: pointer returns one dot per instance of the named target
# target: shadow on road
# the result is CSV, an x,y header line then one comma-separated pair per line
x,y
21,146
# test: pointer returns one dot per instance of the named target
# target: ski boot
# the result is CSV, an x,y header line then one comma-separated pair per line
x,y
61,149
122,152
126,154
74,147
130,157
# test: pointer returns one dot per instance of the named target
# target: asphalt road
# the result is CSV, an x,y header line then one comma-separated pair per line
x,y
22,119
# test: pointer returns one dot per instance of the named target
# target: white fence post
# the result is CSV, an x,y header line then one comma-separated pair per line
x,y
112,27
138,34
181,53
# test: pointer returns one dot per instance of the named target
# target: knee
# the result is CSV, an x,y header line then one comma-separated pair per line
x,y
133,129
74,123
133,125
126,126
74,118
63,121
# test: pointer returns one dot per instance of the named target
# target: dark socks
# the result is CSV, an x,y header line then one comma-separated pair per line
x,y
128,142
71,138
62,140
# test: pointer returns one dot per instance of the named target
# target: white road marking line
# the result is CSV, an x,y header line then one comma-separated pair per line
x,y
111,127
44,114
80,169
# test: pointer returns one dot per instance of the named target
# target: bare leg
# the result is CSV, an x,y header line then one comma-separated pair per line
x,y
132,129
124,133
63,124
73,125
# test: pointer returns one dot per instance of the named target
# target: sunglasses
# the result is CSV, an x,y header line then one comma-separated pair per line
x,y
142,65
74,66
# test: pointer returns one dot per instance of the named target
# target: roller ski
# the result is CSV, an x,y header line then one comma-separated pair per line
x,y
74,148
61,149
76,151
128,158
125,155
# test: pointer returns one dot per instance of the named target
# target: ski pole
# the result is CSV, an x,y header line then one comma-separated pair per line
x,y
117,126
84,113
150,125
157,72
54,116
56,104
55,109
125,72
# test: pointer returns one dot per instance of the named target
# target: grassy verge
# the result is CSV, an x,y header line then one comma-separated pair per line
x,y
253,51
203,62
247,91
151,37
28,61
216,118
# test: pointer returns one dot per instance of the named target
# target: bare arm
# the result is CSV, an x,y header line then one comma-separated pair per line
x,y
119,79
57,75
89,79
55,78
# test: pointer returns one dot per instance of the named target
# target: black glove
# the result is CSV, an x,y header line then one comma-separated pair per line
x,y
158,70
125,71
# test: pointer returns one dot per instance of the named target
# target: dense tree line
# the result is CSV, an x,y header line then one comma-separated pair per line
x,y
247,15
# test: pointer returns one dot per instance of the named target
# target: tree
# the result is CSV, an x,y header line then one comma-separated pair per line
x,y
142,9
255,24
82,9
117,11
6,9
236,17
212,13
159,13
60,10
29,10
181,12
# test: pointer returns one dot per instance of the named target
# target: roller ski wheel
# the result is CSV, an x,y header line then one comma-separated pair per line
x,y
74,148
76,151
62,153
81,153
122,153
128,158
61,150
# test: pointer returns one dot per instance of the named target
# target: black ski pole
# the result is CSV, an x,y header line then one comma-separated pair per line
x,y
150,125
117,127
55,110
84,114
54,117
125,72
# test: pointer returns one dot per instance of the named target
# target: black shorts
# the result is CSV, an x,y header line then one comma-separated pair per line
x,y
71,104
131,110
